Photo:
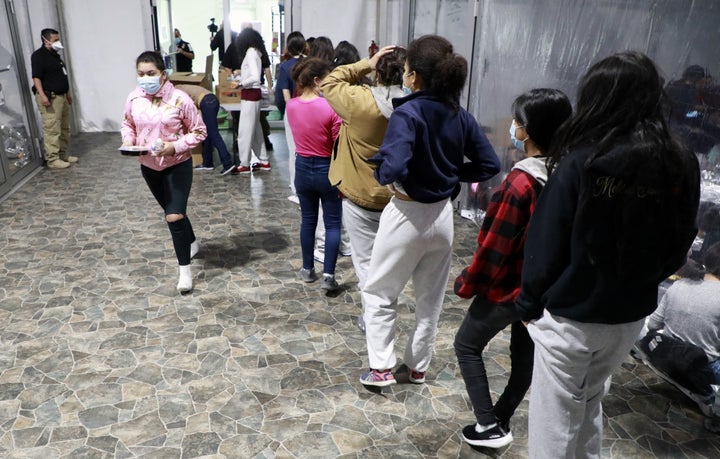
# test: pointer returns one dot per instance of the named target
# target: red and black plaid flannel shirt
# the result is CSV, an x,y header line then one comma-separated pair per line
x,y
497,263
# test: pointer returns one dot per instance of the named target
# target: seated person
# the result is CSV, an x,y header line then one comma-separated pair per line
x,y
684,332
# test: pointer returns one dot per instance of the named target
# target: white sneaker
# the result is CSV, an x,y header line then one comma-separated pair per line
x,y
294,198
194,248
319,256
185,283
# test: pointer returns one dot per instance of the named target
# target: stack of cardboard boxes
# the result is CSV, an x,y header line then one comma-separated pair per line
x,y
224,91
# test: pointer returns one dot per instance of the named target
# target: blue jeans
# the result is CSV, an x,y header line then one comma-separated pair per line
x,y
313,188
482,322
209,108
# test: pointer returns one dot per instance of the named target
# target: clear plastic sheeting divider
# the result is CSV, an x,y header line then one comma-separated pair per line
x,y
525,44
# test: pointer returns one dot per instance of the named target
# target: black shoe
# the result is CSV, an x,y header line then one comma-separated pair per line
x,y
494,437
504,425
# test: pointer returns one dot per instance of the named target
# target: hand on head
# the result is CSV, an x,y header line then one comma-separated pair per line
x,y
383,51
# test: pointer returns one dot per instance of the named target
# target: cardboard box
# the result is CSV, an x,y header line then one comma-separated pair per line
x,y
228,96
200,79
224,78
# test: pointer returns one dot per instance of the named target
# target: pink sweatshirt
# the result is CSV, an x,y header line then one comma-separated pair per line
x,y
169,115
314,126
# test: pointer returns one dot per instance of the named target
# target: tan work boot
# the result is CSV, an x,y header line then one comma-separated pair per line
x,y
70,159
58,164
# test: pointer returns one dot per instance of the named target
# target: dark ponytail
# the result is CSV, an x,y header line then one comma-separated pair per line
x,y
442,71
305,72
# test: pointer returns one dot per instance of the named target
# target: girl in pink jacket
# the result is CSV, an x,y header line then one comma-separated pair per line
x,y
165,120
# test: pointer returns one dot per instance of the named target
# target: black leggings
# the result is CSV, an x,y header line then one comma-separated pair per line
x,y
171,188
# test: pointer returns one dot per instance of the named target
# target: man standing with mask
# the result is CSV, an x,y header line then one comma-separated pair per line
x,y
52,93
185,53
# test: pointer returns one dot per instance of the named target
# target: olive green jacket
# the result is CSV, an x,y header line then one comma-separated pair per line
x,y
361,133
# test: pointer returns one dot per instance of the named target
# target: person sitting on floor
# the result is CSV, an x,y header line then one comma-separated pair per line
x,y
683,340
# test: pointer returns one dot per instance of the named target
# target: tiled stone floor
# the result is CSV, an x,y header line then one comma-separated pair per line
x,y
100,357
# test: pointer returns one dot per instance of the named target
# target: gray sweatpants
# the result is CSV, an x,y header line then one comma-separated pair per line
x,y
573,365
414,241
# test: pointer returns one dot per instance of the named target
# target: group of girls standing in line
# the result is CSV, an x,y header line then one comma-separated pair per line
x,y
575,241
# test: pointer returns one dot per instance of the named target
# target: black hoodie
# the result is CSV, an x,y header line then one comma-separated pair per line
x,y
606,231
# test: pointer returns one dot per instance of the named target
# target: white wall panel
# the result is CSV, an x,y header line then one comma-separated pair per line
x,y
354,21
102,39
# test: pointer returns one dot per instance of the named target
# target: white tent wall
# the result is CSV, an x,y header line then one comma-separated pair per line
x,y
102,40
353,21
44,15
32,16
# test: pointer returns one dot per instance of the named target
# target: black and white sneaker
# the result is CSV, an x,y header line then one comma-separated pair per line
x,y
504,425
494,437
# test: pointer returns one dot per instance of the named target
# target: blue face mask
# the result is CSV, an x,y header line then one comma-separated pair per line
x,y
149,84
406,90
178,41
519,144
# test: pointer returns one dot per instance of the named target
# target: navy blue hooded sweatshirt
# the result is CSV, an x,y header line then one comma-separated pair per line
x,y
425,146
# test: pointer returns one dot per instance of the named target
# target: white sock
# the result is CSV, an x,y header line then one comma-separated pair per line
x,y
185,283
194,248
479,428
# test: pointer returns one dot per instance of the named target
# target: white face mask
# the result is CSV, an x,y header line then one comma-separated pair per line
x,y
57,46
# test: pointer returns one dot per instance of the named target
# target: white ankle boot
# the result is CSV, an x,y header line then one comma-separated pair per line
x,y
194,248
185,283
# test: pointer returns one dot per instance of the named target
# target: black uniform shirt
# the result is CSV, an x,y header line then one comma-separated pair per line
x,y
48,67
184,64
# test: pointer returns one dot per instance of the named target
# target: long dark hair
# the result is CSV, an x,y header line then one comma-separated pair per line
x,y
295,45
249,38
345,53
634,172
619,97
322,47
443,72
541,111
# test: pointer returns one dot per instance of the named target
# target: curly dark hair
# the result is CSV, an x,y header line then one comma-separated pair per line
x,y
391,66
249,38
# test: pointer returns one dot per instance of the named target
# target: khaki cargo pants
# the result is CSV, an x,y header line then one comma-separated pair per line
x,y
56,126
